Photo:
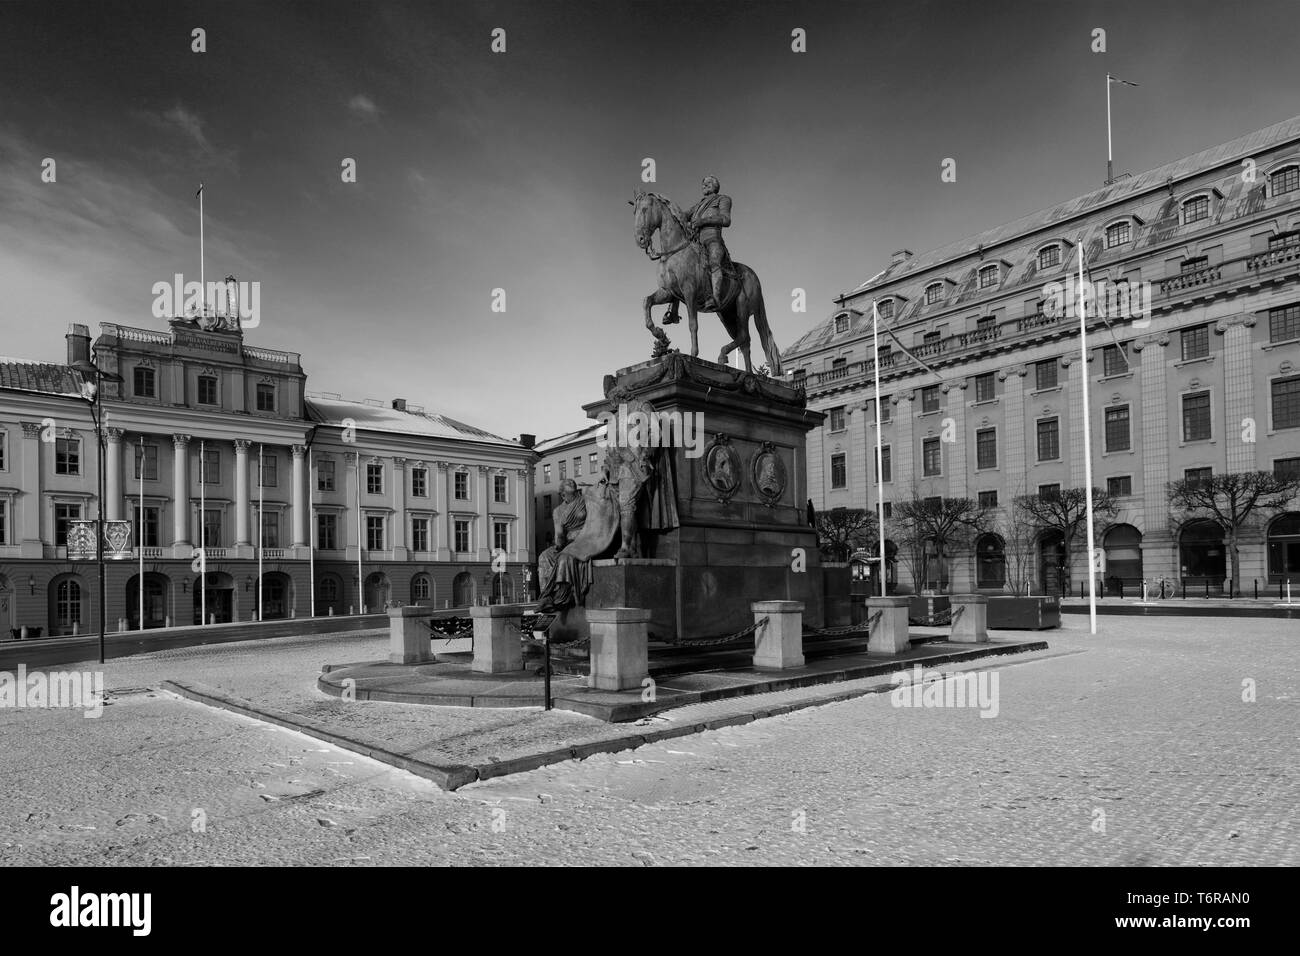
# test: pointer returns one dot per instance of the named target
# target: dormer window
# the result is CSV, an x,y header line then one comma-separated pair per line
x,y
1196,209
1285,180
988,276
1118,233
1049,256
885,309
933,293
841,324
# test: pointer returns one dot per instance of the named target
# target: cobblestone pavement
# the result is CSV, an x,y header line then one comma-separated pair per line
x,y
1133,747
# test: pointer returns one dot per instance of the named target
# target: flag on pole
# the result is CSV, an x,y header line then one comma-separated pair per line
x,y
200,192
1116,79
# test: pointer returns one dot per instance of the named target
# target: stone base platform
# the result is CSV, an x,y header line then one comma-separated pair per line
x,y
718,674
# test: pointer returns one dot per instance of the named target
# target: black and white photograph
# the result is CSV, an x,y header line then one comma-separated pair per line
x,y
649,433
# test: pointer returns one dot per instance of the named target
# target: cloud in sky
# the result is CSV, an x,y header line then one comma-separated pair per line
x,y
363,106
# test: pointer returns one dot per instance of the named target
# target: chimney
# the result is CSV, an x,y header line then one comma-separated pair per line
x,y
399,404
899,257
78,338
528,441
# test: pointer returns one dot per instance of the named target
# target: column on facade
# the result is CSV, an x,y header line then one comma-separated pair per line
x,y
1238,393
958,467
1013,461
31,486
1072,408
816,468
523,515
859,459
351,479
903,451
299,495
113,475
397,495
181,490
242,505
441,522
1157,553
484,515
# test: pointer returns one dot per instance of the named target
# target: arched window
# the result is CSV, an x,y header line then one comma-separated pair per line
x,y
503,588
420,587
1049,256
933,293
1284,547
1196,209
462,590
1284,180
988,276
67,602
1123,545
885,308
990,562
1118,233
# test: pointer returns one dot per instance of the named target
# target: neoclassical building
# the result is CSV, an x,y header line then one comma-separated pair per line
x,y
1206,380
215,443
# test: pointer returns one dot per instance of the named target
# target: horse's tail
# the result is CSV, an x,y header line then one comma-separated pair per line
x,y
765,333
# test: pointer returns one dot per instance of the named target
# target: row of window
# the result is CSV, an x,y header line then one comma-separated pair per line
x,y
144,382
563,467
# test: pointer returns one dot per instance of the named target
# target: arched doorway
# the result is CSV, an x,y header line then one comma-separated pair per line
x,y
69,605
220,598
1202,556
156,587
377,592
8,613
1123,544
462,590
503,588
990,562
1053,564
422,589
329,591
1284,548
277,595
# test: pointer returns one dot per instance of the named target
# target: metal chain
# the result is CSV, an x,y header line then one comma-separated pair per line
x,y
712,641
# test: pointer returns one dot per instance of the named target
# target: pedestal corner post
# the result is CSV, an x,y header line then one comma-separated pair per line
x,y
408,637
970,616
619,647
889,631
778,643
497,649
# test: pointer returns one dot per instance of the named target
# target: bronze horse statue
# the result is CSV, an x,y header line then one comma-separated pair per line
x,y
684,278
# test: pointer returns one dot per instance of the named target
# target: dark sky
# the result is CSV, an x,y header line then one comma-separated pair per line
x,y
479,171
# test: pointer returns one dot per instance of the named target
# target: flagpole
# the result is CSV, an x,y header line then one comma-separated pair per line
x,y
361,593
203,533
203,284
880,457
139,520
1087,444
261,476
311,531
1110,177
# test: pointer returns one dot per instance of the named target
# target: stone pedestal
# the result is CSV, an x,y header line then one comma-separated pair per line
x,y
970,619
497,647
408,635
778,644
619,656
731,446
889,633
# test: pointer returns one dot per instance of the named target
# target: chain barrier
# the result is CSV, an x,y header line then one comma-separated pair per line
x,y
462,627
712,641
863,628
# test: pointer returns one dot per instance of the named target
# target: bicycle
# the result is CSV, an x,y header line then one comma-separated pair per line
x,y
1161,588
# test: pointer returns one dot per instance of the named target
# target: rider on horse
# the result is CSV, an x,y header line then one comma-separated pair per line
x,y
707,219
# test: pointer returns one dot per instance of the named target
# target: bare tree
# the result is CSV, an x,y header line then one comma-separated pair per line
x,y
841,531
948,524
1231,501
1066,512
1020,541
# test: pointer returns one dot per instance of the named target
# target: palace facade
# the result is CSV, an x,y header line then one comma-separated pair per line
x,y
1205,380
342,506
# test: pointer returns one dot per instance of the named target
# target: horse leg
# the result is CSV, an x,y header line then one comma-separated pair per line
x,y
693,317
765,333
660,296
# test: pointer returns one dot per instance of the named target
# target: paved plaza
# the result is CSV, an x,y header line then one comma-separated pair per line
x,y
1134,747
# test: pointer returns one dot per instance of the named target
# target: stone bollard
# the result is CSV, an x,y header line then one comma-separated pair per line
x,y
408,637
778,644
889,633
619,651
496,645
970,619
